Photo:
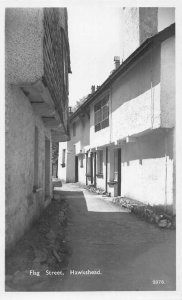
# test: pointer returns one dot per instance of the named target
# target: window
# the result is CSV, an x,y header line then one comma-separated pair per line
x,y
101,114
74,129
100,162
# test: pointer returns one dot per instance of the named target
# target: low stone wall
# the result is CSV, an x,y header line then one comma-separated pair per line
x,y
151,214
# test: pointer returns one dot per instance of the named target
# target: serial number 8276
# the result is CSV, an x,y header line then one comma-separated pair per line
x,y
158,281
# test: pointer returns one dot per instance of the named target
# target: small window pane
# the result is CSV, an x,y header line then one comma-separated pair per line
x,y
105,112
97,127
98,117
105,123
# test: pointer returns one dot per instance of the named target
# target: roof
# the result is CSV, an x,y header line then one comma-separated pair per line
x,y
146,45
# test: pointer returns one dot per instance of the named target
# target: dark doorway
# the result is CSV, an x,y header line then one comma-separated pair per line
x,y
76,168
119,172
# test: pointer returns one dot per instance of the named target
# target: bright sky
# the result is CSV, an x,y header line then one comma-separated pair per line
x,y
95,38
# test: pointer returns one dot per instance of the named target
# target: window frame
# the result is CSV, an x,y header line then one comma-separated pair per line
x,y
101,121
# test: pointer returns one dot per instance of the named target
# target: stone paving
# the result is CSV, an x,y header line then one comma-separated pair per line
x,y
111,249
131,254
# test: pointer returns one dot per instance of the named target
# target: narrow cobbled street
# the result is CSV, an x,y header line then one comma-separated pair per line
x,y
118,250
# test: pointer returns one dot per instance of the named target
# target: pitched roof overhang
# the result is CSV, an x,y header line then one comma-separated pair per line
x,y
143,48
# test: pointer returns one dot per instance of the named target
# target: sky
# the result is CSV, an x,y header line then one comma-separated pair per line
x,y
95,37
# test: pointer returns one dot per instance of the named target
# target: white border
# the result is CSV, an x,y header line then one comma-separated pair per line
x,y
105,295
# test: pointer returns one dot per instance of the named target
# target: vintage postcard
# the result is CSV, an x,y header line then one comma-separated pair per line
x,y
90,149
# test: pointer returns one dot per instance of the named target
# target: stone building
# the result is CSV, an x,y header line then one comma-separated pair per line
x,y
129,122
37,63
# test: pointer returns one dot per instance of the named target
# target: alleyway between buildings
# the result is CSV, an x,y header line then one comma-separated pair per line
x,y
123,252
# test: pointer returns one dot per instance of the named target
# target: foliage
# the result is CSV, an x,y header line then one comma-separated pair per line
x,y
79,103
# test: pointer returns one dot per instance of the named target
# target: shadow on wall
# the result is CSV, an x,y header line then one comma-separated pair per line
x,y
138,80
156,144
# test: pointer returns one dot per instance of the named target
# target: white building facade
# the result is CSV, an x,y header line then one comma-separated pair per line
x,y
127,143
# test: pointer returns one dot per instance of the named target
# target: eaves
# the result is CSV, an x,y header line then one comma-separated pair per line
x,y
133,58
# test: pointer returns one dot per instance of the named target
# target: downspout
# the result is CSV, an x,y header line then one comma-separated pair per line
x,y
166,177
151,88
106,166
110,136
86,168
95,180
174,171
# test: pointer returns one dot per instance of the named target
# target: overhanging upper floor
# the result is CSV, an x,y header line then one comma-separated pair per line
x,y
38,61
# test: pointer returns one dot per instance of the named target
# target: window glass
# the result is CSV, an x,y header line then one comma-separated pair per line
x,y
101,114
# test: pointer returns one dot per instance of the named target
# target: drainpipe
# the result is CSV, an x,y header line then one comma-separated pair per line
x,y
174,171
95,183
152,89
166,175
86,168
110,114
106,166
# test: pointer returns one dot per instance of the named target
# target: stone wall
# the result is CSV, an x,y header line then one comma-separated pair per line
x,y
139,23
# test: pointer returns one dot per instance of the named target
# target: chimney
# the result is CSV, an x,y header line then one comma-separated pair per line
x,y
139,23
117,61
92,89
70,111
